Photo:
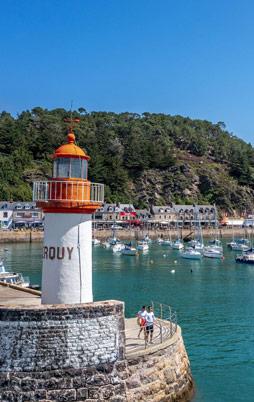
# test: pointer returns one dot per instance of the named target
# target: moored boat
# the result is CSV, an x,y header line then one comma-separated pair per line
x,y
142,246
191,254
129,250
118,247
177,245
13,278
212,252
246,258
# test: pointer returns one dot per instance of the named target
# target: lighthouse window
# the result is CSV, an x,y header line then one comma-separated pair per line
x,y
78,168
70,167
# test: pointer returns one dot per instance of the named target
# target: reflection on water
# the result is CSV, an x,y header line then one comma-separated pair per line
x,y
214,300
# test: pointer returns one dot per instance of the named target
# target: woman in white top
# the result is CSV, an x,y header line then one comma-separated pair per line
x,y
142,320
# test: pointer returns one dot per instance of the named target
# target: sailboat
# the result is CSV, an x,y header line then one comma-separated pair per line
x,y
214,248
195,251
178,243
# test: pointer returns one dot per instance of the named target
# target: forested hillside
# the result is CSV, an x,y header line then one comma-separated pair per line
x,y
145,159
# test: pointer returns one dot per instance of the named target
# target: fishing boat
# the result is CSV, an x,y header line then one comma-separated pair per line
x,y
191,254
13,278
129,250
142,246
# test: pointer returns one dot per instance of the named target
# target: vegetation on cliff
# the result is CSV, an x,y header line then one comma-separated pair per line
x,y
145,159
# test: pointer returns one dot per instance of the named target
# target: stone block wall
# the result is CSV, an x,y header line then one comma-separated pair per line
x,y
58,337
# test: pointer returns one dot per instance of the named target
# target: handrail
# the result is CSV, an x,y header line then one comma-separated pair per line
x,y
165,322
68,190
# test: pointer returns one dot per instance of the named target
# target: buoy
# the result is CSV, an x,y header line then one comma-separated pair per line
x,y
175,262
164,255
172,271
151,261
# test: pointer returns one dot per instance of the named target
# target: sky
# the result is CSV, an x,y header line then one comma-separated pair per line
x,y
189,57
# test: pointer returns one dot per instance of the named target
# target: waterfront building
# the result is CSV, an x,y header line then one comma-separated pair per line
x,y
6,212
110,214
26,215
68,200
183,215
20,215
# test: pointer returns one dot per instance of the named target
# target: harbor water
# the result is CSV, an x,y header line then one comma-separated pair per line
x,y
214,300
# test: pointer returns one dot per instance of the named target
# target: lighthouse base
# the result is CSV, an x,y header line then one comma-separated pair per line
x,y
67,259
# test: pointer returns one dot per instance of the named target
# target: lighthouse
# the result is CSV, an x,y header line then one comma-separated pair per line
x,y
68,201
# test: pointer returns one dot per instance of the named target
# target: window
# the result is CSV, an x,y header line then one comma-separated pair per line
x,y
35,214
20,214
5,214
70,167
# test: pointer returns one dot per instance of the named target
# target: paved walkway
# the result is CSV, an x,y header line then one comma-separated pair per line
x,y
137,346
13,297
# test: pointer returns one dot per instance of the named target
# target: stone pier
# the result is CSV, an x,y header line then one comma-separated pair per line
x,y
86,352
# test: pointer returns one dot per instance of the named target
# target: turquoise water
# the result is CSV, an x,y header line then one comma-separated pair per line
x,y
214,303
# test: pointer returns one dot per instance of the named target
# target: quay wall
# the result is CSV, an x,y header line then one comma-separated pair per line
x,y
129,234
77,353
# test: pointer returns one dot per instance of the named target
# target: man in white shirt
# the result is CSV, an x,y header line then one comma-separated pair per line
x,y
150,319
142,320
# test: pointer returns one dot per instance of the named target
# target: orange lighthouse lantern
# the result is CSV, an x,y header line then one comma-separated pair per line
x,y
68,200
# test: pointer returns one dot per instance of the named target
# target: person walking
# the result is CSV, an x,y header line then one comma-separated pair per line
x,y
150,319
142,320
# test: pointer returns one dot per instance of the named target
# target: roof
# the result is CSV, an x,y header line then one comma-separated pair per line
x,y
161,209
70,150
7,205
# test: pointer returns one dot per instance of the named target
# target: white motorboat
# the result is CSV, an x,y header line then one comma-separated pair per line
x,y
147,239
215,244
129,250
191,254
166,242
118,247
240,247
106,244
177,245
96,242
160,240
246,258
13,278
142,246
212,252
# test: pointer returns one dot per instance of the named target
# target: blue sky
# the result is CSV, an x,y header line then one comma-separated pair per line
x,y
189,57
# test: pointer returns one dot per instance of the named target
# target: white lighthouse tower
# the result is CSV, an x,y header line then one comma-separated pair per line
x,y
68,201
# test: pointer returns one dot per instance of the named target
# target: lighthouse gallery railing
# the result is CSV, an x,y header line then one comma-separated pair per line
x,y
56,190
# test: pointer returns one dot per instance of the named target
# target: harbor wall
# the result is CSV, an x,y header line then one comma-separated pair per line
x,y
77,352
125,234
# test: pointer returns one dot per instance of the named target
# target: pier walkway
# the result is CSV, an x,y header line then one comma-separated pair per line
x,y
16,296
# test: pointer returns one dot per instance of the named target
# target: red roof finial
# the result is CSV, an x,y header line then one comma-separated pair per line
x,y
71,137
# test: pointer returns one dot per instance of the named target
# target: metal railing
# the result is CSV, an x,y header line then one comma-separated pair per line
x,y
65,191
165,327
